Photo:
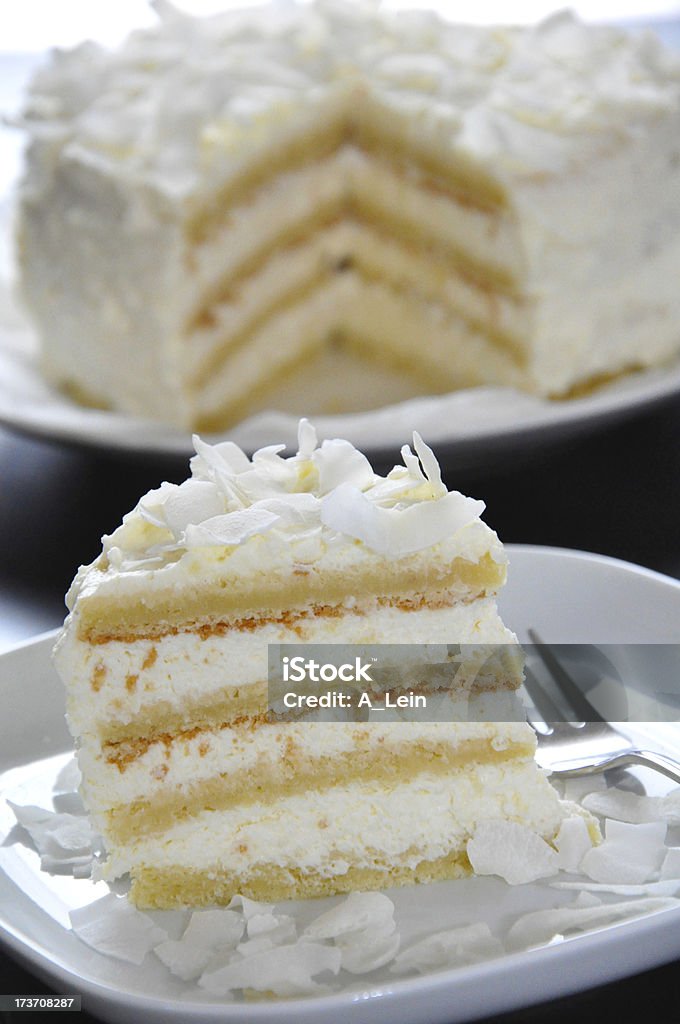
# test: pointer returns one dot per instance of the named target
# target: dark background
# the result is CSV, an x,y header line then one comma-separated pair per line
x,y
614,491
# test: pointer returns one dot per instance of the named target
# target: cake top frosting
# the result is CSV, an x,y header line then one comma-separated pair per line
x,y
191,96
327,489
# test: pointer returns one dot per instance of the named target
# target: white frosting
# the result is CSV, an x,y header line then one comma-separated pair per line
x,y
324,497
192,95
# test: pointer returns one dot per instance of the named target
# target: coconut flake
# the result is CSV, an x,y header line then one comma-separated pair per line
x,y
511,850
428,461
301,510
230,529
249,908
363,928
621,805
277,928
114,927
68,778
209,934
79,867
629,854
60,838
151,509
217,461
452,948
397,531
670,807
284,971
368,949
69,803
307,439
359,911
339,462
193,502
671,864
572,843
541,926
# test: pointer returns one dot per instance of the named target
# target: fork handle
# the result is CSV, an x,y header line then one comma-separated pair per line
x,y
648,758
661,763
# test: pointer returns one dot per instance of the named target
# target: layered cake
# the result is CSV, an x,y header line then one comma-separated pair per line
x,y
332,206
197,791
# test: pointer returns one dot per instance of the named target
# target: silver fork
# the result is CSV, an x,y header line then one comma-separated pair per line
x,y
589,745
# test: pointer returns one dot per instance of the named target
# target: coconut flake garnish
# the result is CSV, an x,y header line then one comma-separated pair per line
x,y
208,935
671,863
340,462
249,908
397,531
194,502
572,843
407,511
368,949
68,778
230,529
307,439
512,851
218,462
64,841
457,946
284,971
623,805
541,926
278,928
363,928
114,927
360,910
431,469
629,854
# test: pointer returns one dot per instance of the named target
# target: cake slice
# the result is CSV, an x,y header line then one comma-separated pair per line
x,y
198,791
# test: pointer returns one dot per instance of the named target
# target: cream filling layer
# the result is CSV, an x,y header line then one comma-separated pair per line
x,y
115,682
359,824
173,767
291,273
342,183
424,338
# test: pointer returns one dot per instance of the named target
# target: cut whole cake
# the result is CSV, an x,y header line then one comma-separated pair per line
x,y
250,210
198,793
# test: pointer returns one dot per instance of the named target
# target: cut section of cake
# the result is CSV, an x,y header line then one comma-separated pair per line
x,y
197,791
257,209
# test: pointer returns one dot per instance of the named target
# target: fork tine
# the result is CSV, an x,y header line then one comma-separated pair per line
x,y
580,705
543,702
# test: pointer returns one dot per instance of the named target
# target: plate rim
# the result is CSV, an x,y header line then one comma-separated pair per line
x,y
623,397
570,964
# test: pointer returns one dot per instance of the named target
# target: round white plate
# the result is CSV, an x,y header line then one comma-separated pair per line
x,y
566,595
476,425
473,428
